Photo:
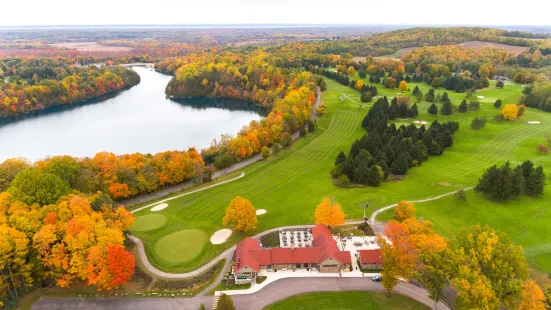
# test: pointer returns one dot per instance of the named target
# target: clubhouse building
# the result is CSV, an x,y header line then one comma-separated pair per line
x,y
323,255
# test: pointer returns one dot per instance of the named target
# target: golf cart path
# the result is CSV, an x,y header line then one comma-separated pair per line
x,y
228,254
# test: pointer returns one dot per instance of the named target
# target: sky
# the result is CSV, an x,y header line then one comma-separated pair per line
x,y
420,12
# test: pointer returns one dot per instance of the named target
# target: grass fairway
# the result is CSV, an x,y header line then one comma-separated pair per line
x,y
180,246
291,184
349,300
149,222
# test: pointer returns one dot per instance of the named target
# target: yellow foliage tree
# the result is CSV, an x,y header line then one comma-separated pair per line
x,y
241,214
329,214
510,112
359,85
533,297
404,86
405,210
351,71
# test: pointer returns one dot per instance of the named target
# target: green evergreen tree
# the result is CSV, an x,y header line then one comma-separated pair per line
x,y
435,148
341,158
498,103
400,165
503,188
416,91
366,96
447,108
302,131
433,109
527,169
429,96
463,106
535,182
375,176
445,98
518,182
355,149
414,111
348,168
486,182
361,174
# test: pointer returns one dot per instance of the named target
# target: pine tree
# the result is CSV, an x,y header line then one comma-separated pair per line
x,y
535,183
447,108
341,158
400,165
463,106
348,168
414,111
429,96
416,91
225,303
486,182
361,174
375,175
435,148
433,109
498,103
366,97
518,182
354,149
503,188
445,98
527,168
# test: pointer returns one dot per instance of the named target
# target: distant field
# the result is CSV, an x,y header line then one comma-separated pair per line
x,y
480,45
91,46
469,44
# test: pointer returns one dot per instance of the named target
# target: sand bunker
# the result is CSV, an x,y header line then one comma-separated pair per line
x,y
159,207
534,122
221,236
260,211
480,97
421,122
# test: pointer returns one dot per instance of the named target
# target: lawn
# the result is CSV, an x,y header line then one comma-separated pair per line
x,y
346,300
291,184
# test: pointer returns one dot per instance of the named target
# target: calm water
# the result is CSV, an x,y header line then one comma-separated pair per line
x,y
139,119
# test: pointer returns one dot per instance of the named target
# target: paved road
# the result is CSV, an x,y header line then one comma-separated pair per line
x,y
273,292
374,215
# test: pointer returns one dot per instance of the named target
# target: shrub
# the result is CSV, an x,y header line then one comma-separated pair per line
x,y
461,196
363,226
265,151
474,105
478,123
225,303
276,148
543,149
223,161
344,179
498,103
336,171
302,131
286,140
499,84
311,126
321,110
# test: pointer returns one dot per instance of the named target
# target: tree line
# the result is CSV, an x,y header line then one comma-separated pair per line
x,y
387,150
77,238
504,182
37,83
120,176
473,265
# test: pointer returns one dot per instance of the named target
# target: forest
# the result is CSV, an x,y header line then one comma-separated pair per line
x,y
28,84
386,150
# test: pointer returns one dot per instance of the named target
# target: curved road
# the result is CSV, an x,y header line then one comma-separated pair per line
x,y
273,292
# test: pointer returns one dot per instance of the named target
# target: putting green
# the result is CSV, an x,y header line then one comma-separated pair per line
x,y
181,246
149,222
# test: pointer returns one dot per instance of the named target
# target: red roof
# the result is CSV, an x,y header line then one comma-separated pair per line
x,y
296,255
242,254
373,256
250,254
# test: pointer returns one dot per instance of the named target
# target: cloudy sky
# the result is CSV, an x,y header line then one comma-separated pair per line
x,y
98,12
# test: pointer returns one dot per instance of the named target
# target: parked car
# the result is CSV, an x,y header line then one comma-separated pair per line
x,y
377,278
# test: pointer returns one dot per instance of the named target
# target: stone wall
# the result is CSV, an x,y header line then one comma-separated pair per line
x,y
330,268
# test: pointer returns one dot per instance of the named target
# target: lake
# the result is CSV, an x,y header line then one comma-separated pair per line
x,y
139,119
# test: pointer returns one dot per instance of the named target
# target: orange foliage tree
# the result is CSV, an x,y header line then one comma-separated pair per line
x,y
510,112
241,214
403,211
109,266
533,299
329,214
